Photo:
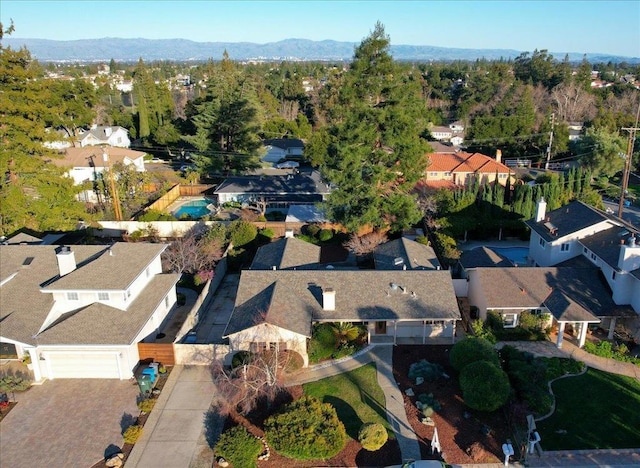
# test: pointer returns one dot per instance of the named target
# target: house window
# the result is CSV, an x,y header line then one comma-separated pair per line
x,y
509,320
542,242
258,346
502,176
282,346
433,174
146,272
584,250
72,296
613,276
166,302
447,174
128,293
593,257
103,296
564,247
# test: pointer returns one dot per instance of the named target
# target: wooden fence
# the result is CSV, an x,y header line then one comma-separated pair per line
x,y
159,352
196,190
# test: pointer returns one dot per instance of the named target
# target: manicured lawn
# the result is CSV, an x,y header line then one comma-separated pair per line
x,y
597,410
355,395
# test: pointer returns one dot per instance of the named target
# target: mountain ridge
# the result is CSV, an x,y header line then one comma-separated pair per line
x,y
179,49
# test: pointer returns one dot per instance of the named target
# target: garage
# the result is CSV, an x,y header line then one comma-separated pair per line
x,y
83,366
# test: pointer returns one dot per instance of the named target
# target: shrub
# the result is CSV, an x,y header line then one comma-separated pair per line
x,y
471,350
242,233
447,247
156,215
239,447
132,434
217,232
484,386
605,349
202,277
428,401
312,230
480,330
306,429
325,235
146,405
10,383
425,369
422,240
240,358
268,233
372,436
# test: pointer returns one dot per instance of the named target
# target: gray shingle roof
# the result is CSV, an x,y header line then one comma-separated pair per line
x,y
483,257
113,268
291,184
100,324
287,253
414,255
285,143
529,288
291,299
24,308
569,219
606,244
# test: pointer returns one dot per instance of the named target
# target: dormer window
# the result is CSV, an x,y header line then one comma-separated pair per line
x,y
103,296
564,247
73,296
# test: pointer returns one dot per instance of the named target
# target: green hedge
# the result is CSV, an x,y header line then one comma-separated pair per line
x,y
239,447
485,387
372,436
471,350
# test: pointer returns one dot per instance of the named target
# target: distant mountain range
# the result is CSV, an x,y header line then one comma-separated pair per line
x,y
126,50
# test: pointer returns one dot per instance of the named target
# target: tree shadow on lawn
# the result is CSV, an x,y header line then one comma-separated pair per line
x,y
346,414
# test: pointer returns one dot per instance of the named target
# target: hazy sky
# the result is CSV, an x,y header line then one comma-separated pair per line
x,y
611,27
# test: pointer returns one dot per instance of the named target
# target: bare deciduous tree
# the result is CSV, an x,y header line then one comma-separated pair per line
x,y
573,103
365,244
193,253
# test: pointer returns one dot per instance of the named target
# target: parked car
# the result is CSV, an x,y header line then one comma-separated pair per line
x,y
288,165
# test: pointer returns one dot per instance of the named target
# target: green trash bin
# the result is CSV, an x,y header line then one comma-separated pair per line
x,y
145,384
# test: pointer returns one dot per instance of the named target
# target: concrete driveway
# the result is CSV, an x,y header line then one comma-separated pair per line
x,y
67,422
215,318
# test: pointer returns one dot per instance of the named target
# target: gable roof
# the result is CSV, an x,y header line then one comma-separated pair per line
x,y
530,288
290,185
286,254
606,244
567,220
413,256
24,308
85,157
465,163
292,299
100,132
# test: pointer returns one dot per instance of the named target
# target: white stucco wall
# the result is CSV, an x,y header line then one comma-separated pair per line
x,y
267,333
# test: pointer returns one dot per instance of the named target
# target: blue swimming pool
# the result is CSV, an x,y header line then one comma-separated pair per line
x,y
518,255
195,209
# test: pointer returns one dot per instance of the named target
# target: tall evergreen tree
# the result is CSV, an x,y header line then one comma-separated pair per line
x,y
375,154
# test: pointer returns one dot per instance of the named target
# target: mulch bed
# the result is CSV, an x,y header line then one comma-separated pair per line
x,y
466,436
5,410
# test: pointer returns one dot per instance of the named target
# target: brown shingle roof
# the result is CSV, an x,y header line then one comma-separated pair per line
x,y
286,254
414,256
80,157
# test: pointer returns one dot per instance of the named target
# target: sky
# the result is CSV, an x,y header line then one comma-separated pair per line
x,y
591,26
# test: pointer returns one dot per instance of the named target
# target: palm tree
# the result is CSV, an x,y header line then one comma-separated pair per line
x,y
344,332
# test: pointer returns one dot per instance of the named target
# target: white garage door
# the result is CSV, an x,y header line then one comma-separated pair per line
x,y
84,366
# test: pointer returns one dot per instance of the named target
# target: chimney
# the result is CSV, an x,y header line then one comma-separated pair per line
x,y
541,210
499,156
66,260
328,299
108,131
288,233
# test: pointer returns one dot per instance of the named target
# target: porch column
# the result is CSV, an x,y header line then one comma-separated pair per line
x,y
560,333
35,361
453,331
395,331
612,328
583,333
424,331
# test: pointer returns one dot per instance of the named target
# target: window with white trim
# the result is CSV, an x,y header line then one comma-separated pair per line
x,y
166,302
509,320
146,272
542,242
73,296
103,296
593,257
613,276
564,247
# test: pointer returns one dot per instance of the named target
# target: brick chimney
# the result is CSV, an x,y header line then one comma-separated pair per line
x,y
328,299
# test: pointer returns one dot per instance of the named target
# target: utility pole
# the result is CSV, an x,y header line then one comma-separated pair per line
x,y
627,161
553,122
115,199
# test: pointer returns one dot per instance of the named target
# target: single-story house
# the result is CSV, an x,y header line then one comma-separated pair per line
x,y
279,191
282,148
460,168
80,311
88,164
276,308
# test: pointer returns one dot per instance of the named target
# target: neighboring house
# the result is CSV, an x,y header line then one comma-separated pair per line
x,y
60,141
438,132
405,254
453,133
276,308
460,169
278,191
283,148
109,136
80,311
576,130
87,165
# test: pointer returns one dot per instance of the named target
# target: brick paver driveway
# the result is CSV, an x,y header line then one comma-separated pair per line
x,y
66,422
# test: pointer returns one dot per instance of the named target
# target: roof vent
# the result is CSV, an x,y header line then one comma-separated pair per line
x,y
394,286
398,261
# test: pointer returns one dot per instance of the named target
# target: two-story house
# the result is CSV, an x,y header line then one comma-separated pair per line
x,y
89,163
80,311
105,135
282,148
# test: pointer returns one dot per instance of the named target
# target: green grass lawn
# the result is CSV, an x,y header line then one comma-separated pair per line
x,y
597,410
356,396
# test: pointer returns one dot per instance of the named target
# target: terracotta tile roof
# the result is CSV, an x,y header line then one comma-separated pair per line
x,y
465,162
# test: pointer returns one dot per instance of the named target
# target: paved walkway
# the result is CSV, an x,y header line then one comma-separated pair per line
x,y
396,414
176,433
569,350
588,458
